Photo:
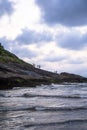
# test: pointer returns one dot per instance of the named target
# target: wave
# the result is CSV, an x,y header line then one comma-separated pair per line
x,y
29,95
2,95
42,108
26,95
8,96
57,123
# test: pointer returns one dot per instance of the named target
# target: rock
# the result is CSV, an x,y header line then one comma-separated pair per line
x,y
16,73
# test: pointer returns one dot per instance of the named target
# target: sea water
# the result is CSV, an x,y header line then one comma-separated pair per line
x,y
45,107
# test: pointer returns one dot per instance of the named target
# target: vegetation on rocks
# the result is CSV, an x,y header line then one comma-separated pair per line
x,y
8,57
14,72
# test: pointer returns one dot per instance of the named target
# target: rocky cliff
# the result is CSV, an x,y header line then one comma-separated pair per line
x,y
14,72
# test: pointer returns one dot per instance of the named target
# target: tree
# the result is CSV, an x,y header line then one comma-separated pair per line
x,y
39,66
1,45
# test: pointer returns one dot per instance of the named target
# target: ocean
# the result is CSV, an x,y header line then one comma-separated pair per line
x,y
45,107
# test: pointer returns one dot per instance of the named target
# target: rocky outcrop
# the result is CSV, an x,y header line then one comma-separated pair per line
x,y
16,73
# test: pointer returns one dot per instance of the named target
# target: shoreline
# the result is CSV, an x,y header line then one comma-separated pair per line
x,y
11,82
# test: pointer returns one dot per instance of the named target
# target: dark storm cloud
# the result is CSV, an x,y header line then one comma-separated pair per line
x,y
29,37
72,40
6,7
65,12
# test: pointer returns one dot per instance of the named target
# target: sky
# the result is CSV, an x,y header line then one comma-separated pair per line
x,y
52,33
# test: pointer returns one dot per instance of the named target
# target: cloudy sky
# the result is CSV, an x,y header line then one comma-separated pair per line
x,y
50,33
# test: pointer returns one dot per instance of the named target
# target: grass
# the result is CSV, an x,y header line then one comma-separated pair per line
x,y
6,57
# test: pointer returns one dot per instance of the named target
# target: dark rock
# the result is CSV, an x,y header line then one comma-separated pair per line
x,y
16,73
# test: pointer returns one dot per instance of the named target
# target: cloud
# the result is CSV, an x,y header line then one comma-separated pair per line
x,y
72,40
76,61
6,7
55,58
5,42
29,37
65,12
23,52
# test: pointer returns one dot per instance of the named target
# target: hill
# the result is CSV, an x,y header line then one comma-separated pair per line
x,y
14,72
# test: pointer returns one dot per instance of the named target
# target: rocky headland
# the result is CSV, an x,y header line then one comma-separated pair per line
x,y
14,72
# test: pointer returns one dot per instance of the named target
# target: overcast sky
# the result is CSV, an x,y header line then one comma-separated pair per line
x,y
50,33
